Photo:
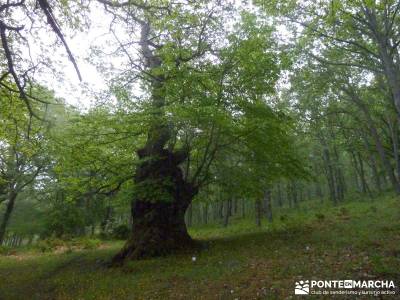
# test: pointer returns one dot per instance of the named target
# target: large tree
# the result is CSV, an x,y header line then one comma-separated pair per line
x,y
204,83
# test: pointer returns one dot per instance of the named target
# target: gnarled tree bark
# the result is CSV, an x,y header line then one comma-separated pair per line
x,y
158,218
159,226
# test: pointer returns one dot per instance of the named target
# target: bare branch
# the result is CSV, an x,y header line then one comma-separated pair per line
x,y
133,3
44,5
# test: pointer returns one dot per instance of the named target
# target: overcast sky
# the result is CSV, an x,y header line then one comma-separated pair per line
x,y
67,86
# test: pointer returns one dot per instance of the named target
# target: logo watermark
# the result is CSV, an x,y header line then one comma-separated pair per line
x,y
345,287
302,287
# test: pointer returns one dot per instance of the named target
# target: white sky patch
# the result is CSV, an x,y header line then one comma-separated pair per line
x,y
83,94
67,85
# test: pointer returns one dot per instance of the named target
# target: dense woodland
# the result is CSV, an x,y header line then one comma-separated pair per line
x,y
214,111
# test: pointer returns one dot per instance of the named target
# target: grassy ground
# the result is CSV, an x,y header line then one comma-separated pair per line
x,y
357,240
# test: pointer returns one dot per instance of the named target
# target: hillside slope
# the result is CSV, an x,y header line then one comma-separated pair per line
x,y
358,240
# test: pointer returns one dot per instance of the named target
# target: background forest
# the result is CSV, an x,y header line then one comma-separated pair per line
x,y
220,126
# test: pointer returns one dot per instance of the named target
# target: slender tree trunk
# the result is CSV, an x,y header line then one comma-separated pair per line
x,y
365,187
299,188
13,240
373,164
228,212
268,205
375,135
106,219
221,210
258,212
289,194
385,47
235,206
360,171
385,160
342,184
318,191
338,174
395,143
205,213
7,214
295,198
279,191
356,171
375,174
214,209
329,175
309,193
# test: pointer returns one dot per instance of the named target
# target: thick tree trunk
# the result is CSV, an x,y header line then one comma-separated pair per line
x,y
162,195
385,45
390,70
158,212
189,216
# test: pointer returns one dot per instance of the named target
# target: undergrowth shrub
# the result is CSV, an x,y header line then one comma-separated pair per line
x,y
5,250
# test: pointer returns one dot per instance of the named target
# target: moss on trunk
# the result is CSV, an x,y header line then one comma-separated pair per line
x,y
159,207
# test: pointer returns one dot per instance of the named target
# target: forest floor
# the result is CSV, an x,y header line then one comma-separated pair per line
x,y
356,240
